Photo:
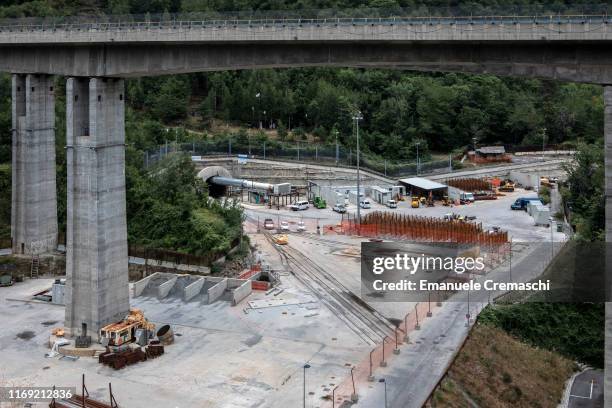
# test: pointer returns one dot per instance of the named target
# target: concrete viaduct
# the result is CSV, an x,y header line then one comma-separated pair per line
x,y
96,57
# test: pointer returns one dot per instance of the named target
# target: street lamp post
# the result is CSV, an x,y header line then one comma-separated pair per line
x,y
305,367
382,380
543,142
257,96
418,161
552,243
357,117
336,133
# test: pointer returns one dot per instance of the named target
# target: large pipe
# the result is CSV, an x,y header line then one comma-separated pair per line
x,y
253,185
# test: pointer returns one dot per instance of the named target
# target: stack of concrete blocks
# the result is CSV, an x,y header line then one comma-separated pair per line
x,y
96,259
34,196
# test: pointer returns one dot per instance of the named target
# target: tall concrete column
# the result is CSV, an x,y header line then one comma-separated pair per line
x,y
96,257
608,192
34,195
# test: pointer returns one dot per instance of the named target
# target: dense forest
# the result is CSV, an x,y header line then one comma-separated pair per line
x,y
442,113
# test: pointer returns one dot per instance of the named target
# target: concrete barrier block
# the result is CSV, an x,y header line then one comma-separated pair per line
x,y
242,292
215,292
193,290
164,288
140,286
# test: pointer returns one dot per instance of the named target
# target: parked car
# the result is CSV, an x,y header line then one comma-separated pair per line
x,y
301,227
268,224
339,208
365,204
284,226
392,204
299,205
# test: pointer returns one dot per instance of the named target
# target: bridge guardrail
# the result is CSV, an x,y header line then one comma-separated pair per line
x,y
476,15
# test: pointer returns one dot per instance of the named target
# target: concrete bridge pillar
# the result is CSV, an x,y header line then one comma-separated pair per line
x,y
608,193
34,196
96,251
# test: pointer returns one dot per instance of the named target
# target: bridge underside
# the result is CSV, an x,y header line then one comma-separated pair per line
x,y
566,61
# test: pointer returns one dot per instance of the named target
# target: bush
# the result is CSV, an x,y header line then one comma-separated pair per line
x,y
575,330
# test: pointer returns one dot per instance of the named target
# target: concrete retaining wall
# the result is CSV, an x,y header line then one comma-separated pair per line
x,y
217,291
142,284
193,290
164,288
241,292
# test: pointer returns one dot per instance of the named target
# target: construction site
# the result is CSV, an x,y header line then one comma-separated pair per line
x,y
295,319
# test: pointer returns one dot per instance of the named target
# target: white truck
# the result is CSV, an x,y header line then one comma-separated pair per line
x,y
457,194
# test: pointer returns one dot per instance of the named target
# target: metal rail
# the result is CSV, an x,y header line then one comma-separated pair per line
x,y
364,321
132,23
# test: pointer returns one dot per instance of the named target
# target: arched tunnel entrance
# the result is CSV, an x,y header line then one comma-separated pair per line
x,y
215,190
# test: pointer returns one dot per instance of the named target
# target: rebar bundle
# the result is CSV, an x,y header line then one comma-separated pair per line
x,y
469,184
429,229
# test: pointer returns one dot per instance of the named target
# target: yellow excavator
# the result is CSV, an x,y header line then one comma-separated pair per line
x,y
507,186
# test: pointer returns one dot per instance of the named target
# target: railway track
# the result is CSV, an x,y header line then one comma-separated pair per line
x,y
362,319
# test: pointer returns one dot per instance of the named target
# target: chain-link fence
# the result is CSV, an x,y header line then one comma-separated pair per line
x,y
301,152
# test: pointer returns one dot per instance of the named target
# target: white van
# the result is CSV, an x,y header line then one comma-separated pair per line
x,y
365,204
392,204
299,205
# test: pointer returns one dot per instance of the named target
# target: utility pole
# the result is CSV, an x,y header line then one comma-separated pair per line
x,y
305,367
418,161
337,151
543,142
357,117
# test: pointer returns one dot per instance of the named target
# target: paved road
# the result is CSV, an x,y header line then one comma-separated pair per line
x,y
493,170
587,390
414,373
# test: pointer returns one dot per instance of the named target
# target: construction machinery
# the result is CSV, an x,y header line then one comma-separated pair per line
x,y
319,202
124,332
280,239
507,186
430,200
545,181
416,203
446,201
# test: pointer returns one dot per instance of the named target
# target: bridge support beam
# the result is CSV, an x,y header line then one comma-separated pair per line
x,y
96,252
608,193
34,196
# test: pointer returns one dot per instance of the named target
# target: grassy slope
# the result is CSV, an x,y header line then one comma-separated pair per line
x,y
496,370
